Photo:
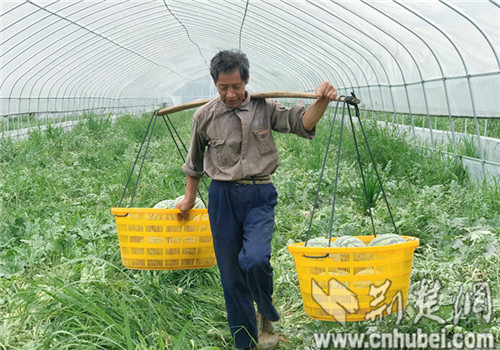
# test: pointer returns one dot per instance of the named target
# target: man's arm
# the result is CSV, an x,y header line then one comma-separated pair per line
x,y
190,195
325,93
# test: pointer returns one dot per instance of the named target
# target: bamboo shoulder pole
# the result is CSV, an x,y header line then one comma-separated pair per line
x,y
272,94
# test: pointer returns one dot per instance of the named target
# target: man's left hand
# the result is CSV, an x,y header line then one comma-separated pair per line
x,y
326,91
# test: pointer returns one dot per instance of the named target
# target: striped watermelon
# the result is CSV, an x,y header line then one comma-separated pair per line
x,y
367,271
170,203
348,241
335,272
339,256
364,284
197,205
342,271
386,239
166,204
318,242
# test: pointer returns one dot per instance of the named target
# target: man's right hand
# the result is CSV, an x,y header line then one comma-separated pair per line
x,y
185,205
189,199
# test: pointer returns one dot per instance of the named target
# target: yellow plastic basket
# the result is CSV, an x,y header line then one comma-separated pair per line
x,y
155,239
335,282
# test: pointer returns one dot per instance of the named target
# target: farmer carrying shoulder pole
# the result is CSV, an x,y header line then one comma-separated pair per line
x,y
232,143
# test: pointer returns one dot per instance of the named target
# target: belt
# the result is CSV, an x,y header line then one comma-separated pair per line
x,y
254,180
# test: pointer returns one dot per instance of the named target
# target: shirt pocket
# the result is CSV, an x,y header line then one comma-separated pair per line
x,y
265,141
224,154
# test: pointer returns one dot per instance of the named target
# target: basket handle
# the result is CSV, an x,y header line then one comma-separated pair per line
x,y
148,135
171,129
347,100
315,257
321,176
151,126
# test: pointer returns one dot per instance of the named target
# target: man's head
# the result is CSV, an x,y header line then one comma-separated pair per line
x,y
230,72
228,61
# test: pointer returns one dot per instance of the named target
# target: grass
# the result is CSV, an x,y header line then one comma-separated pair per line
x,y
466,143
33,120
487,127
62,285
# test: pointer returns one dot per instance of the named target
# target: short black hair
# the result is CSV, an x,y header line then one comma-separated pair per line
x,y
228,61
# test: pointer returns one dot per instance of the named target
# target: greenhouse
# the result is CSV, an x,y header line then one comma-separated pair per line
x,y
101,107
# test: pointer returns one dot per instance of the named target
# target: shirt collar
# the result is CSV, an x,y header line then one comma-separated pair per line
x,y
243,106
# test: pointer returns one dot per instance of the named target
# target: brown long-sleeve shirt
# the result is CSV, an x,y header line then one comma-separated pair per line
x,y
239,140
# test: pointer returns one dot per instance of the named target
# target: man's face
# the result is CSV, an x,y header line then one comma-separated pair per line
x,y
231,88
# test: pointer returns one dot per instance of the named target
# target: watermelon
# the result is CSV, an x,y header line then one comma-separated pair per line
x,y
321,242
318,242
171,203
166,204
339,256
364,284
155,240
348,241
367,271
197,205
334,272
386,239
343,271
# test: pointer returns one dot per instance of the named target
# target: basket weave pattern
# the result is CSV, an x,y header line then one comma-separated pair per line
x,y
155,239
356,269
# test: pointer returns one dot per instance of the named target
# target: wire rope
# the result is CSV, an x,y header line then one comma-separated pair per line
x,y
243,22
187,32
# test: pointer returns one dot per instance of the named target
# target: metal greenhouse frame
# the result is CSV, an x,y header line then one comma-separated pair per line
x,y
61,60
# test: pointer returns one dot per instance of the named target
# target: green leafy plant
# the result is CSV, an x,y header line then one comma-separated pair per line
x,y
467,147
63,285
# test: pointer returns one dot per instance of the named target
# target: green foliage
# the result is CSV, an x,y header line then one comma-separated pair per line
x,y
468,147
487,127
63,285
368,193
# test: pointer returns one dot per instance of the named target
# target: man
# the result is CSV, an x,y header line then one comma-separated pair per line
x,y
236,133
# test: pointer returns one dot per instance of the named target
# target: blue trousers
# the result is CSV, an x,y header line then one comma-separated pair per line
x,y
242,220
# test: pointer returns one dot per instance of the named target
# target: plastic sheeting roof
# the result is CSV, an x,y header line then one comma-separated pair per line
x,y
426,57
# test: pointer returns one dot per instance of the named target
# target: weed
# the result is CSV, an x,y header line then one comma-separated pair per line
x,y
63,285
467,147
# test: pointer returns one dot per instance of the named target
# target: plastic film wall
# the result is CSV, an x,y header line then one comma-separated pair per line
x,y
426,57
